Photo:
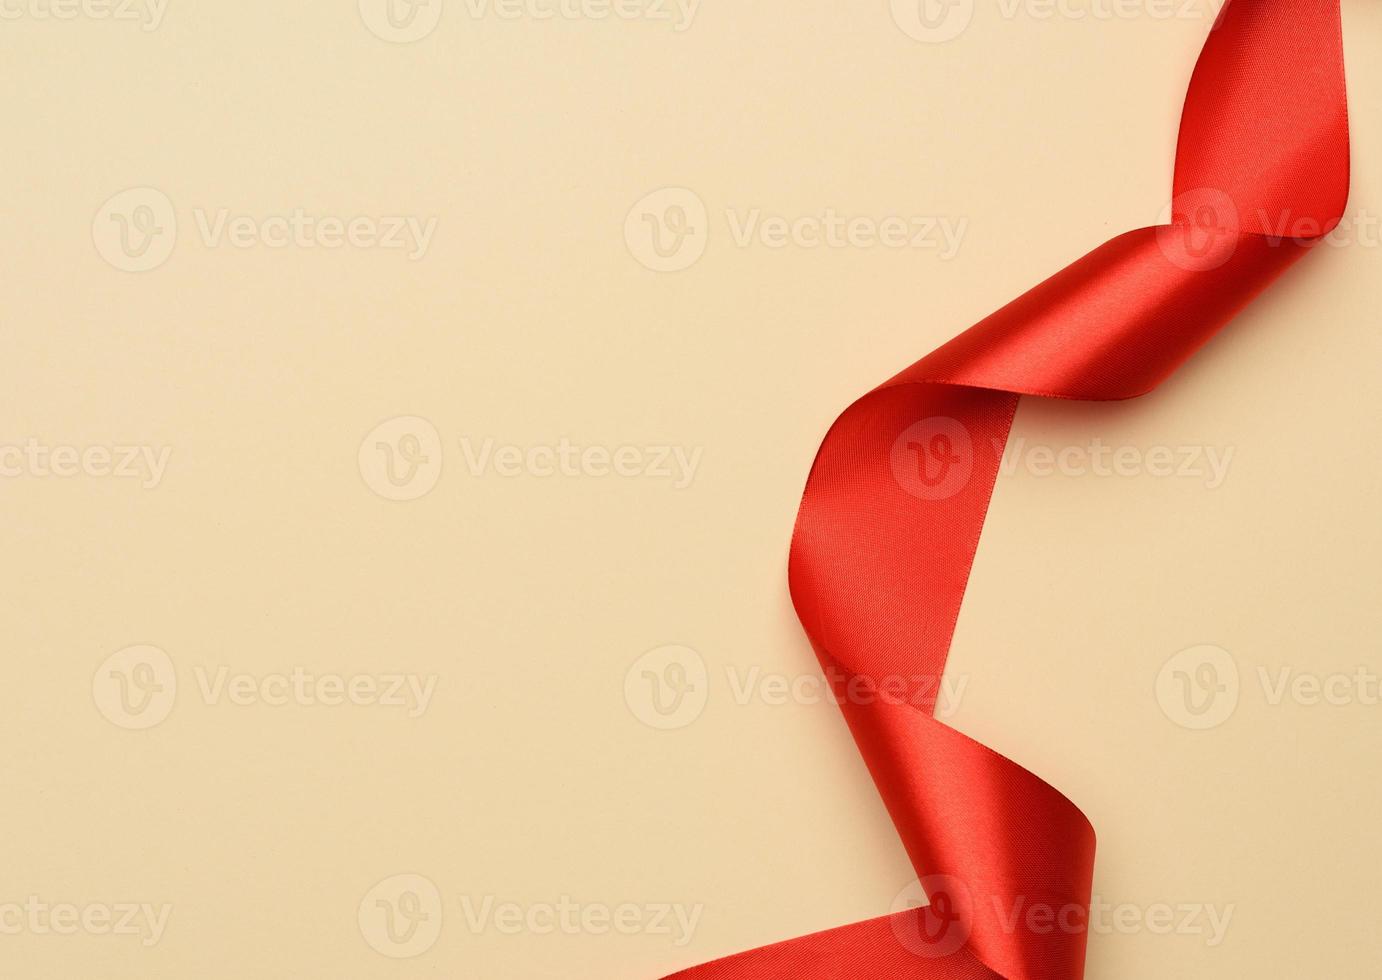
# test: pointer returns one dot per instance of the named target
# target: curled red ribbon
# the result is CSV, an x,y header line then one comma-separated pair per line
x,y
896,499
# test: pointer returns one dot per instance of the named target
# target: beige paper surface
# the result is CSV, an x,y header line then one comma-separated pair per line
x,y
393,395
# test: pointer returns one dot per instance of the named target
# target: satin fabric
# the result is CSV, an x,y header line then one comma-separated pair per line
x,y
895,503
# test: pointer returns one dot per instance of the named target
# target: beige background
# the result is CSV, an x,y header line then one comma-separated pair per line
x,y
529,319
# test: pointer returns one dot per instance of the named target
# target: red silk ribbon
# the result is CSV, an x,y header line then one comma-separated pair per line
x,y
895,503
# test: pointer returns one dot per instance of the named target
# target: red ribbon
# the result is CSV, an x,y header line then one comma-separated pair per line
x,y
896,499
